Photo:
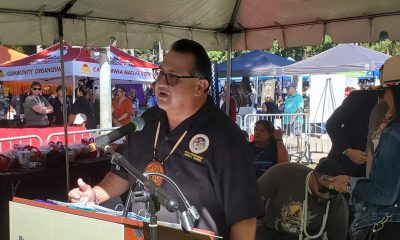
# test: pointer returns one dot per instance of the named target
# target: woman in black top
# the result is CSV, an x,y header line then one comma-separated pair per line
x,y
268,147
56,118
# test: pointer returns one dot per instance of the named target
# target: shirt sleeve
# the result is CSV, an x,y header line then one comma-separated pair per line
x,y
266,182
300,102
233,175
382,187
334,126
30,102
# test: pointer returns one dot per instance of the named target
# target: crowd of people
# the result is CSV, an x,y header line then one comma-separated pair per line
x,y
34,109
195,143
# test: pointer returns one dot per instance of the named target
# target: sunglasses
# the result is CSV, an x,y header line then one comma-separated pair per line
x,y
170,78
37,88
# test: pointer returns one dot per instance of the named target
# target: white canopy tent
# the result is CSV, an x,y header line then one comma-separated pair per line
x,y
253,24
217,25
341,58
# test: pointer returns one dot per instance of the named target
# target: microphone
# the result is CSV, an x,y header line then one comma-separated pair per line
x,y
136,124
170,204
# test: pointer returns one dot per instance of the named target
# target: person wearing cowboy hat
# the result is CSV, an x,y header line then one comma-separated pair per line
x,y
376,197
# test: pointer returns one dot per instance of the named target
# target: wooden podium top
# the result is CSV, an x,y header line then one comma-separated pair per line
x,y
131,226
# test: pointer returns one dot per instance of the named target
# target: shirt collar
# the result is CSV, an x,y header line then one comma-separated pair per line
x,y
198,119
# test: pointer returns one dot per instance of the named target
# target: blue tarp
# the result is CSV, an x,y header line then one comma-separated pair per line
x,y
255,63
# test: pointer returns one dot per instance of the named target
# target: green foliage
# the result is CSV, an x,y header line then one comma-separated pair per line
x,y
16,48
299,53
385,46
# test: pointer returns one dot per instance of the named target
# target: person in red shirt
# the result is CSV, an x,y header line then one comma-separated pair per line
x,y
122,108
232,106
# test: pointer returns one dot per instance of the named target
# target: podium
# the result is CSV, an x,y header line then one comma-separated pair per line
x,y
36,220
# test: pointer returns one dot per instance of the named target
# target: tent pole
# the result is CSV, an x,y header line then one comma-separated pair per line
x,y
105,89
61,37
73,88
228,75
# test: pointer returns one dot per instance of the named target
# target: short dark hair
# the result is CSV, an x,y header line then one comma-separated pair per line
x,y
267,125
202,63
81,89
35,83
327,166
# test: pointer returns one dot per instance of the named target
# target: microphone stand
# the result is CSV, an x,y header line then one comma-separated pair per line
x,y
152,196
128,202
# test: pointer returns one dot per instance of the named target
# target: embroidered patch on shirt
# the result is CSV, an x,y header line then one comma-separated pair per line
x,y
193,156
199,143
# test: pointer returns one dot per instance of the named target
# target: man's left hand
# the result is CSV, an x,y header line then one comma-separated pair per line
x,y
340,183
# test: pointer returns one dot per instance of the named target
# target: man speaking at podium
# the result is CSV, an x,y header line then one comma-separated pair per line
x,y
193,142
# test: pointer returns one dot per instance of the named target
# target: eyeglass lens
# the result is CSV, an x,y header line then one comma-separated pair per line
x,y
170,78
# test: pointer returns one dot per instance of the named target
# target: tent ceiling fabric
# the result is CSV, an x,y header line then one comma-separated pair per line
x,y
256,24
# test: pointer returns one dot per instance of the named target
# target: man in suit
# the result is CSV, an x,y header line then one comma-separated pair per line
x,y
348,130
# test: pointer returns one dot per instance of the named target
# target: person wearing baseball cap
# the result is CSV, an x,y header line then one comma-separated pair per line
x,y
377,198
80,120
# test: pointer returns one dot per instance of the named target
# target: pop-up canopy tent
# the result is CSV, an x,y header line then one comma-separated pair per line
x,y
126,67
46,65
252,24
255,63
342,58
8,55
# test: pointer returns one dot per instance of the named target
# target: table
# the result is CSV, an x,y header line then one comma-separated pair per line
x,y
46,182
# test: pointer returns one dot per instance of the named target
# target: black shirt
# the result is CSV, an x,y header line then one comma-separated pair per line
x,y
272,108
83,105
265,157
212,166
56,118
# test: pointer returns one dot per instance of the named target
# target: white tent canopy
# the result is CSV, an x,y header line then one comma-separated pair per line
x,y
253,24
342,58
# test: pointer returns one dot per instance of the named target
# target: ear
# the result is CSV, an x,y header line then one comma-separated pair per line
x,y
202,85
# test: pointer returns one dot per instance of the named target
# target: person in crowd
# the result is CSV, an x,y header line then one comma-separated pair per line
x,y
377,198
300,204
232,105
56,118
191,140
269,107
80,120
95,100
83,105
135,101
11,113
280,103
249,92
348,127
268,146
36,107
121,108
151,99
294,104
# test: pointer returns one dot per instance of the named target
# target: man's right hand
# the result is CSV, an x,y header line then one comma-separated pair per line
x,y
357,156
84,193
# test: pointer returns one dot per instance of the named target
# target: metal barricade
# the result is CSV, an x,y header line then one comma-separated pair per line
x,y
296,136
239,121
78,135
12,140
